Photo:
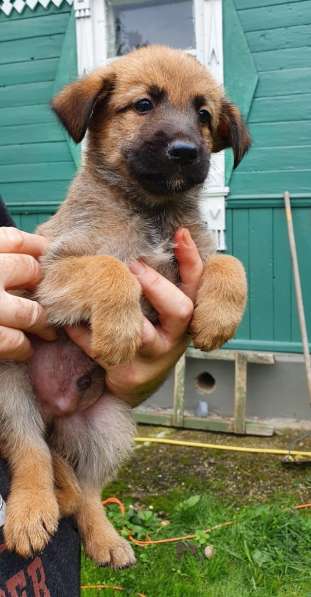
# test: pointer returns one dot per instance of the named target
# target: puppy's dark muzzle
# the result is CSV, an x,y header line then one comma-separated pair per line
x,y
182,152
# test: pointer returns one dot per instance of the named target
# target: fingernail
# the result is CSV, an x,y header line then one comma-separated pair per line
x,y
186,237
138,268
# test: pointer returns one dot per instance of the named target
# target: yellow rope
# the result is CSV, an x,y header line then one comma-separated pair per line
x,y
175,442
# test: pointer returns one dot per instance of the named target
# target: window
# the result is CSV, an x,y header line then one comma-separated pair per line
x,y
135,24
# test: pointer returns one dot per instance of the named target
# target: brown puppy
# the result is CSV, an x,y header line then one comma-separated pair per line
x,y
153,118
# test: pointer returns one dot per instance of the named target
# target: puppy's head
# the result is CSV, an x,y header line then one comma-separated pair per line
x,y
154,117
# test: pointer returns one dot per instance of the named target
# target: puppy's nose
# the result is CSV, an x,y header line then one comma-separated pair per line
x,y
183,151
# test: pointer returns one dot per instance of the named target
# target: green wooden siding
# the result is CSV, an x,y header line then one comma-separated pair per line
x,y
267,61
277,38
37,57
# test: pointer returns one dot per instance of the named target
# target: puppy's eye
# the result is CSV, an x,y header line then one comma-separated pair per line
x,y
84,382
144,105
204,116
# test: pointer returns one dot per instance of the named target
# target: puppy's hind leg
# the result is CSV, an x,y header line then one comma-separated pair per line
x,y
96,443
67,489
32,509
101,541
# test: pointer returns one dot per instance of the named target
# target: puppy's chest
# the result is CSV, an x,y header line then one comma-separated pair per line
x,y
149,242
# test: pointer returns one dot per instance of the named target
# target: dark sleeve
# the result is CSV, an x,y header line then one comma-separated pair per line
x,y
5,218
56,571
53,573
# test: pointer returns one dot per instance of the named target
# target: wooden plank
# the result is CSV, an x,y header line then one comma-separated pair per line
x,y
179,392
41,172
271,182
33,71
25,95
34,191
240,4
275,39
22,115
284,158
302,223
44,132
35,153
240,393
207,424
284,82
240,73
22,50
240,242
260,274
152,418
278,134
262,345
282,279
47,24
285,109
285,58
275,16
260,358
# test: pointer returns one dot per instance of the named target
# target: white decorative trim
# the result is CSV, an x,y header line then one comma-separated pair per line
x,y
82,8
212,207
8,6
91,34
209,39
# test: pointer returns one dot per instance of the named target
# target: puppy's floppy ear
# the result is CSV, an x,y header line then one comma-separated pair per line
x,y
231,132
75,104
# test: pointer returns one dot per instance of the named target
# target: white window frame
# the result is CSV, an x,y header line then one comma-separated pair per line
x,y
92,51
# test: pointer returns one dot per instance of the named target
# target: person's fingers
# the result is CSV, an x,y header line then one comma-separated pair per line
x,y
14,346
18,271
172,305
13,240
189,261
152,342
82,336
24,314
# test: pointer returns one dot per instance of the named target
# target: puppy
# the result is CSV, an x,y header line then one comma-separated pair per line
x,y
153,119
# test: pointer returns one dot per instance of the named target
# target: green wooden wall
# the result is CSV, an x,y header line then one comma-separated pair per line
x,y
267,53
268,73
37,161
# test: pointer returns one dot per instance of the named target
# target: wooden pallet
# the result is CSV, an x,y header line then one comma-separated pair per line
x,y
176,417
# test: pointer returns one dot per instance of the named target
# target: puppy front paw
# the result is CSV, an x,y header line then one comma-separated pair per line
x,y
213,325
117,337
31,520
116,552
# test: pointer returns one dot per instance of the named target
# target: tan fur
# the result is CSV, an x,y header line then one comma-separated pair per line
x,y
220,302
101,542
107,221
32,511
111,303
67,489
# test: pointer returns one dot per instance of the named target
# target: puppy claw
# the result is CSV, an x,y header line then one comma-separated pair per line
x,y
117,554
113,345
209,333
30,523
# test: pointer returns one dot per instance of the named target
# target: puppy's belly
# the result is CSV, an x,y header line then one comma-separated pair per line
x,y
64,378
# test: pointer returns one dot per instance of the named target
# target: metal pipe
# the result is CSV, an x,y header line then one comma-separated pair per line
x,y
298,290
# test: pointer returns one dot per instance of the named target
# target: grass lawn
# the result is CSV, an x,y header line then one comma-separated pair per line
x,y
172,491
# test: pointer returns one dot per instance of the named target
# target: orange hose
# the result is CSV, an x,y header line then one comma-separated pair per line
x,y
111,587
141,543
119,503
182,538
302,506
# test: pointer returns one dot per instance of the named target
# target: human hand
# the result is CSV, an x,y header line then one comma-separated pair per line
x,y
19,269
161,345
